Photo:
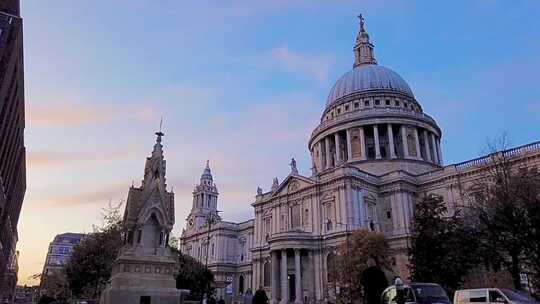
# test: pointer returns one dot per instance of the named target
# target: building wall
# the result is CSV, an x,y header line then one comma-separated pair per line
x,y
59,253
12,151
313,214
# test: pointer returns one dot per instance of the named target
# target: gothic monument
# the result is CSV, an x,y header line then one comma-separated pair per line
x,y
145,268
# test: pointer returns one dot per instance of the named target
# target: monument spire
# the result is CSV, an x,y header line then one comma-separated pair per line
x,y
363,49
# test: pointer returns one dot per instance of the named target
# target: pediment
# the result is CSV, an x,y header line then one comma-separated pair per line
x,y
292,184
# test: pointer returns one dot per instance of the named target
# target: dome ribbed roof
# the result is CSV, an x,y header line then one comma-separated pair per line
x,y
368,77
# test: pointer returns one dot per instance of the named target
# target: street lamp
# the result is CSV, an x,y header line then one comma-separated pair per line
x,y
348,256
210,220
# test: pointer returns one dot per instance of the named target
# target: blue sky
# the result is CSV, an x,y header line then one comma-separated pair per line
x,y
243,83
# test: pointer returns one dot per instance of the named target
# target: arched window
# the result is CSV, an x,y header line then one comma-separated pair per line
x,y
267,274
241,285
330,267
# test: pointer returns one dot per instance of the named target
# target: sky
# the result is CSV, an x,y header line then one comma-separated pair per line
x,y
243,84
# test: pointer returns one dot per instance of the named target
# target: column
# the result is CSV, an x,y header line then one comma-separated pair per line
x,y
284,282
338,149
274,277
321,147
349,148
434,146
405,143
355,210
392,149
317,267
362,143
439,152
327,150
417,143
376,137
297,277
426,146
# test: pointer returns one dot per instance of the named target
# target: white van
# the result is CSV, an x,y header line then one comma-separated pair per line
x,y
490,296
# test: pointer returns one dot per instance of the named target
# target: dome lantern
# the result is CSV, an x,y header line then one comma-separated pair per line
x,y
363,49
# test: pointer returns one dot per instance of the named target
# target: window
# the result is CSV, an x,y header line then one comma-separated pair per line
x,y
477,296
495,296
241,285
338,111
356,105
366,103
306,218
267,274
347,108
396,103
388,214
295,212
139,236
329,224
388,102
377,102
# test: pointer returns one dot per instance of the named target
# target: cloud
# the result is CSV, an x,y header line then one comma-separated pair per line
x,y
74,114
98,196
45,158
316,66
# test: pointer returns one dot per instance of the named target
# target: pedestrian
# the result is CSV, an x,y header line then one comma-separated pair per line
x,y
211,300
248,296
221,301
204,299
260,296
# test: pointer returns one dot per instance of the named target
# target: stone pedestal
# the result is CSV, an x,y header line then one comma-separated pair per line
x,y
143,279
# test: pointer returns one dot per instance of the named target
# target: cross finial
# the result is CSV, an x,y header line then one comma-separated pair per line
x,y
159,133
361,23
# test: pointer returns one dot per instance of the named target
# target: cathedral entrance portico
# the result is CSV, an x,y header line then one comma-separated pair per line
x,y
286,281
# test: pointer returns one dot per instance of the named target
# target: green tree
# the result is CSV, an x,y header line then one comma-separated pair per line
x,y
192,275
443,249
90,265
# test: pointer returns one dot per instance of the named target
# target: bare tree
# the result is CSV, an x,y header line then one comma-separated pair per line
x,y
498,200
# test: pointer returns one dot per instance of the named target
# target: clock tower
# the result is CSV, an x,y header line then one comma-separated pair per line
x,y
205,196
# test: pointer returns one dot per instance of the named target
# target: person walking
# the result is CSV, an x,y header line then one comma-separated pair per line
x,y
248,296
260,296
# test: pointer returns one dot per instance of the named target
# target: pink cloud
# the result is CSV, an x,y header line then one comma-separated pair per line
x,y
76,114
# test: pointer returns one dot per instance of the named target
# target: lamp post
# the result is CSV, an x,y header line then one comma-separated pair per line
x,y
348,256
211,219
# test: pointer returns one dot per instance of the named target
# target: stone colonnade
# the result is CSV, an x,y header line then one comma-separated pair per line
x,y
379,141
279,284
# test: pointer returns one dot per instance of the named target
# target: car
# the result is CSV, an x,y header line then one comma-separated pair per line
x,y
417,293
429,293
491,295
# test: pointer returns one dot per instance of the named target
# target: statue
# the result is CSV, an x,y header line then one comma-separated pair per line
x,y
294,170
259,191
275,183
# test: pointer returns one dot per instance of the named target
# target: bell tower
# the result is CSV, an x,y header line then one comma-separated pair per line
x,y
205,196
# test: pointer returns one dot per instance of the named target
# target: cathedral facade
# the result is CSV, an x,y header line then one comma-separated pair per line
x,y
374,154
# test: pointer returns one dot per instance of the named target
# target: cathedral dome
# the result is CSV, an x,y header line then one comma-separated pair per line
x,y
368,77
